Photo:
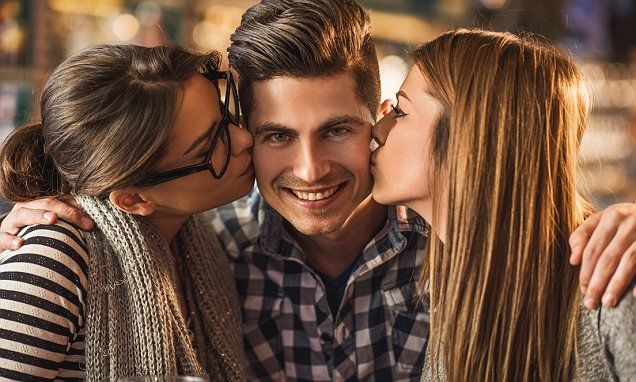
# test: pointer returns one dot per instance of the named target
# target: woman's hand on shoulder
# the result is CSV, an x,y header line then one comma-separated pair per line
x,y
605,247
40,211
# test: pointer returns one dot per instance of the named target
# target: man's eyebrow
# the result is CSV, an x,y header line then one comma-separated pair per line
x,y
202,138
350,120
269,127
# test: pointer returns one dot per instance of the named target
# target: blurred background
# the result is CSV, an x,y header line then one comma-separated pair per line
x,y
36,35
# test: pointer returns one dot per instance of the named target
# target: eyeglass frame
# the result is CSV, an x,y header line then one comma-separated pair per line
x,y
226,118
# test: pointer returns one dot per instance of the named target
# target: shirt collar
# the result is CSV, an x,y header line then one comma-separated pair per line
x,y
275,239
402,225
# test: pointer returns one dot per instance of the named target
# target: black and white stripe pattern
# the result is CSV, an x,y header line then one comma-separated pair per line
x,y
42,305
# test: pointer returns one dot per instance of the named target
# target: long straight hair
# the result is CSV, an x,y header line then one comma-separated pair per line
x,y
504,299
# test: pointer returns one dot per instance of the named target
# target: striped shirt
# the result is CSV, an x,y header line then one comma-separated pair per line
x,y
42,305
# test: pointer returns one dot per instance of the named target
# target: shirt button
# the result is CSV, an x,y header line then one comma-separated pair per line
x,y
340,333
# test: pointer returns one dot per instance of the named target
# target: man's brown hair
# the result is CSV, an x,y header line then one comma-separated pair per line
x,y
305,39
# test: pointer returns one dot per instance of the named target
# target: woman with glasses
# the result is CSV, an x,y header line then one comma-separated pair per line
x,y
483,143
144,139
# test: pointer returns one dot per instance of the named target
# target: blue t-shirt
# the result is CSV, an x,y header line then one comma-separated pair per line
x,y
335,286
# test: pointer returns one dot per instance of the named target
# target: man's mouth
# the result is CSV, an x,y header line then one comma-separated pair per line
x,y
315,195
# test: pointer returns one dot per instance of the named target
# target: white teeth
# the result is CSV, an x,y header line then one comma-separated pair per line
x,y
313,196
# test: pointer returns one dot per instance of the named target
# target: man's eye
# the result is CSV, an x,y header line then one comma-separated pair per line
x,y
337,131
278,137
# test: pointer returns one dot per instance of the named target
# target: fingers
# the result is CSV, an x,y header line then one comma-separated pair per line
x,y
68,212
580,237
8,241
43,211
613,272
66,209
21,216
622,279
71,210
72,202
603,233
608,266
18,218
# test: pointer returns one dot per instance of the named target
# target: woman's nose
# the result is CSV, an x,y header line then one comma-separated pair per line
x,y
380,130
382,127
241,139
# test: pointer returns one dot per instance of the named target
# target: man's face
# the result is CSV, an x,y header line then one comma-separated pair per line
x,y
311,150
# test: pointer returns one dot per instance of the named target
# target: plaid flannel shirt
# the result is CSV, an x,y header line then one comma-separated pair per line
x,y
379,333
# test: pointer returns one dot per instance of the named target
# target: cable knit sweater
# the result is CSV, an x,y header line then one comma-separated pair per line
x,y
101,305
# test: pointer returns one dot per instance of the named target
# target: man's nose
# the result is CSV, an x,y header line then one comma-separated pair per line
x,y
312,163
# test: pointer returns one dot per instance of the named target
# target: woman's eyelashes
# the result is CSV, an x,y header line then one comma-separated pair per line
x,y
206,149
399,113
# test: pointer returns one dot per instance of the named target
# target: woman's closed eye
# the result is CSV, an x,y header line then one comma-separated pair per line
x,y
206,149
399,113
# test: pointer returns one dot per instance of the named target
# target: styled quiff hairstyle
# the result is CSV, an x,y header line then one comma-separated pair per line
x,y
305,39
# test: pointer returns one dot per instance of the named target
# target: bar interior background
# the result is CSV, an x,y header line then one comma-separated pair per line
x,y
36,35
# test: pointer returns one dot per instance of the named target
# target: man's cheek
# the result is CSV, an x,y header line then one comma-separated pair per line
x,y
262,184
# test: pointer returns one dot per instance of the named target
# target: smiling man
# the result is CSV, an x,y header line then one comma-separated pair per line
x,y
327,276
313,165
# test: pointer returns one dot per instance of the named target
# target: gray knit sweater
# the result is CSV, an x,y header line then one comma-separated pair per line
x,y
606,345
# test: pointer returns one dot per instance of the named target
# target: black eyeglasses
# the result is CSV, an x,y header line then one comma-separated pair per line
x,y
230,113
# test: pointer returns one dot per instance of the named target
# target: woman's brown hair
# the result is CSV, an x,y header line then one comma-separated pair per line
x,y
106,113
504,299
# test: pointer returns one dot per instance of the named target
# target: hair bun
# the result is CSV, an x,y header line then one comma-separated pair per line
x,y
26,171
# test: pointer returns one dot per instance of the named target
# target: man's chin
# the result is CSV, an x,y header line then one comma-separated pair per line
x,y
316,228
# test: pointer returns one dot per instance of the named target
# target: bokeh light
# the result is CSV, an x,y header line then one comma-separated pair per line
x,y
125,26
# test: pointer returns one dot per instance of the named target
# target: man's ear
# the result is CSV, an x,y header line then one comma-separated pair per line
x,y
131,201
386,107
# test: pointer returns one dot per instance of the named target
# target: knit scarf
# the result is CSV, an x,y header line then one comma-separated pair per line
x,y
134,325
